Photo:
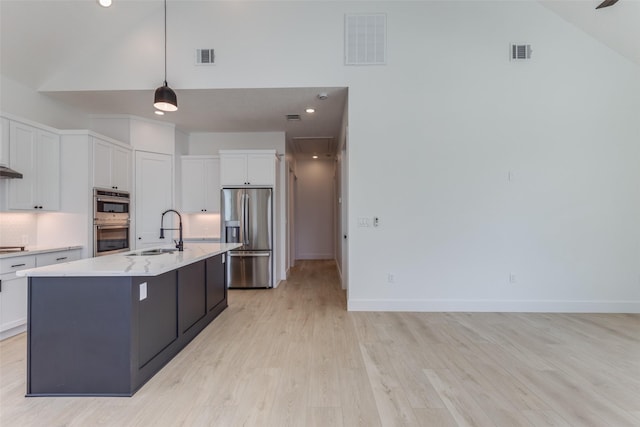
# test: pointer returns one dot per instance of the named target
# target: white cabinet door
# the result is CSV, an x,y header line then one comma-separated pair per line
x,y
121,169
212,185
200,184
48,171
154,195
193,185
247,167
36,154
111,166
4,141
260,169
22,146
13,294
233,169
101,163
13,302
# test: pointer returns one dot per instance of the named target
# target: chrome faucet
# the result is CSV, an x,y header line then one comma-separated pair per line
x,y
179,243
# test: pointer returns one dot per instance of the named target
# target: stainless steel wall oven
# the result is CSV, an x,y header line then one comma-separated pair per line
x,y
111,221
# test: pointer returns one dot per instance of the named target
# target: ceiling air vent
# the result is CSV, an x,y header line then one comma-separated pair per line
x,y
365,39
205,57
520,52
293,117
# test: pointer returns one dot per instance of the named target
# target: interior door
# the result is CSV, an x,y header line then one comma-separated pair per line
x,y
154,195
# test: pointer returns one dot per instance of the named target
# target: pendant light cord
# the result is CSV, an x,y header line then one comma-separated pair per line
x,y
165,42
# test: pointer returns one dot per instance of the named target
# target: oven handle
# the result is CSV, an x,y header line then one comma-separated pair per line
x,y
103,227
113,199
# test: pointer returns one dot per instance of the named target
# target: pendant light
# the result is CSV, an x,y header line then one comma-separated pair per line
x,y
165,98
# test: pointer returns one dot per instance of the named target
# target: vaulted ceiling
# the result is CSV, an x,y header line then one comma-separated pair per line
x,y
39,39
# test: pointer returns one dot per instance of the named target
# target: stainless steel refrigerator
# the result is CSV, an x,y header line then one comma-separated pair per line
x,y
247,218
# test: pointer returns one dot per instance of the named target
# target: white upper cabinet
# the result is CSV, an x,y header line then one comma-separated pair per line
x,y
36,154
248,167
4,141
200,184
111,165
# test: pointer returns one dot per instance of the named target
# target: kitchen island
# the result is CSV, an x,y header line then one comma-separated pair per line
x,y
104,326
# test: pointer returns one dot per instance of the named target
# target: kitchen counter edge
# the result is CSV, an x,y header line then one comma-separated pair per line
x,y
128,265
38,251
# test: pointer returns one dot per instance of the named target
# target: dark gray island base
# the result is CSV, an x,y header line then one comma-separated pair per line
x,y
100,336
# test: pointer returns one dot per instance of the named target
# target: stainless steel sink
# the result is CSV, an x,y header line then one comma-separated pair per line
x,y
153,252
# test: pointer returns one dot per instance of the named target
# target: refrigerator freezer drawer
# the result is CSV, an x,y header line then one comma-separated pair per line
x,y
249,269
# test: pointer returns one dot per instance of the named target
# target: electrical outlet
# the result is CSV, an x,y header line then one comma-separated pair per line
x,y
512,278
391,278
143,291
376,221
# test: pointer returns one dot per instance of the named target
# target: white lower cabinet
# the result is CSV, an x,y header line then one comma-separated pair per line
x,y
13,288
58,257
13,295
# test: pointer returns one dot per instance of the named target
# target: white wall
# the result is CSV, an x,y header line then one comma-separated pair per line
x,y
315,209
22,101
211,142
433,137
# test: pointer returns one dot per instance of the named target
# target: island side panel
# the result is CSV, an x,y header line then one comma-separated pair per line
x,y
216,285
191,295
79,336
157,314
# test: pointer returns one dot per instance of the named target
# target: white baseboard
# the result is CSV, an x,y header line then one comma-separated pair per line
x,y
13,331
518,306
317,256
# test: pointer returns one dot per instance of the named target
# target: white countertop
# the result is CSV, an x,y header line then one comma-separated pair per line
x,y
35,250
126,264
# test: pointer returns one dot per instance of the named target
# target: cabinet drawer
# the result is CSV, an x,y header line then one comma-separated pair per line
x,y
13,264
57,257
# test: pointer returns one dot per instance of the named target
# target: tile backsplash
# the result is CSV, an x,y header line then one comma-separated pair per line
x,y
18,229
201,225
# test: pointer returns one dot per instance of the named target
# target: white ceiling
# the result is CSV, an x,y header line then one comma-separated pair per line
x,y
39,39
230,110
616,26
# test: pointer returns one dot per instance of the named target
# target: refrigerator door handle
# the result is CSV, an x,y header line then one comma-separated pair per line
x,y
249,254
247,227
244,218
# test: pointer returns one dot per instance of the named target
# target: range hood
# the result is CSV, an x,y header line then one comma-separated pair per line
x,y
6,172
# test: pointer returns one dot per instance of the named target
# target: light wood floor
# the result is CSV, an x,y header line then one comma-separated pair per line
x,y
294,356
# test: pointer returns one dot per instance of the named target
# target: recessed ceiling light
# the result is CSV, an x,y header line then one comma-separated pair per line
x,y
160,113
104,3
310,110
315,157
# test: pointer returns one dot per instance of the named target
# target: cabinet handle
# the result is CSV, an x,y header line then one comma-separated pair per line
x,y
61,258
18,265
0,285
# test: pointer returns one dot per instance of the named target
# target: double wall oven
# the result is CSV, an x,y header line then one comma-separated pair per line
x,y
111,221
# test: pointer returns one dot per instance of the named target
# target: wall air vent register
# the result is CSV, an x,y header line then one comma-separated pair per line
x,y
520,52
365,39
205,56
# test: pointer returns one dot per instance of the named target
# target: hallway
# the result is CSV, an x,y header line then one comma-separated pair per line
x,y
295,356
